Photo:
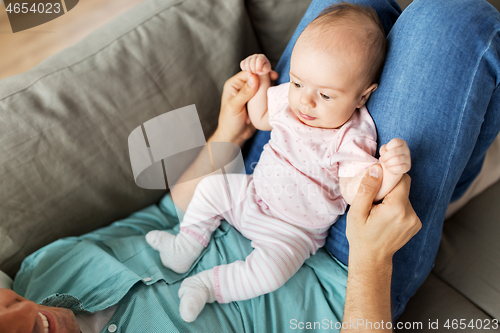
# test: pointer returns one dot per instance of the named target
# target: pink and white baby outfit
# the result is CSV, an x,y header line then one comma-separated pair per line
x,y
288,205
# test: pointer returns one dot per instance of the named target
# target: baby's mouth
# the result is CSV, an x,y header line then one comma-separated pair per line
x,y
306,117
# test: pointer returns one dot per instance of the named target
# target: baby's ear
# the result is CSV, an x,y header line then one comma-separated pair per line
x,y
366,94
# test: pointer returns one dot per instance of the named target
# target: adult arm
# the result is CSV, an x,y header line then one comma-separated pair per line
x,y
375,233
234,126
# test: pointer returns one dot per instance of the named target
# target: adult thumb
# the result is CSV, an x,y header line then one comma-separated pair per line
x,y
368,189
248,91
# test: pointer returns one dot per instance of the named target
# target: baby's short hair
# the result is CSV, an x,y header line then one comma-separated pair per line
x,y
376,41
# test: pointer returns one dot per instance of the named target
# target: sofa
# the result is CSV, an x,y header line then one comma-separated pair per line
x,y
64,160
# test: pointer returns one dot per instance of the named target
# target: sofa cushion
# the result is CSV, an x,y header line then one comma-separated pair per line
x,y
274,22
64,125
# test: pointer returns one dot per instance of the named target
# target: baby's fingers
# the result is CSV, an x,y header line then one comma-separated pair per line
x,y
398,164
383,150
256,64
396,160
387,154
245,64
399,169
397,142
262,65
253,64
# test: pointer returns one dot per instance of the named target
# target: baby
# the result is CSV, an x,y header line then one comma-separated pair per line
x,y
322,142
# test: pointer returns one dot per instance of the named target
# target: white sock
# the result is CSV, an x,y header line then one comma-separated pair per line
x,y
177,252
195,292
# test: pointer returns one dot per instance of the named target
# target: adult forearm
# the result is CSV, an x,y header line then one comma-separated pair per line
x,y
368,296
375,233
183,191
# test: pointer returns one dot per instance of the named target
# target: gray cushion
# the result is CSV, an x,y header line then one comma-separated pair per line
x,y
64,164
274,22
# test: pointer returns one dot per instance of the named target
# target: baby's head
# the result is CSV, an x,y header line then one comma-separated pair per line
x,y
335,65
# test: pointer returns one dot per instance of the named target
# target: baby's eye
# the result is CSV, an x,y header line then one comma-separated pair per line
x,y
296,85
325,97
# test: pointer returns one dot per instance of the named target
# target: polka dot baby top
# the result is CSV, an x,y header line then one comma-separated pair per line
x,y
297,175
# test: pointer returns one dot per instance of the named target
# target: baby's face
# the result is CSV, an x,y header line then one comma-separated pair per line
x,y
326,87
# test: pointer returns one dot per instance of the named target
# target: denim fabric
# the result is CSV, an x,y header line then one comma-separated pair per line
x,y
439,92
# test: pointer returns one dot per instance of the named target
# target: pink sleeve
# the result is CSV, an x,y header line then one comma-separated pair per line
x,y
277,97
356,145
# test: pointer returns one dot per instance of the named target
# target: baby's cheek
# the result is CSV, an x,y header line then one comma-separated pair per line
x,y
292,101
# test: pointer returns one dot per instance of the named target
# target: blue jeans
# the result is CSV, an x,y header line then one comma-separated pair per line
x,y
439,91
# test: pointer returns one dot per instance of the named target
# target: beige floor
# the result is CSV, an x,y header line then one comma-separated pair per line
x,y
405,3
23,50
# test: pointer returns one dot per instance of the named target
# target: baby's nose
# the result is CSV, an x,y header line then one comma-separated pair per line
x,y
307,100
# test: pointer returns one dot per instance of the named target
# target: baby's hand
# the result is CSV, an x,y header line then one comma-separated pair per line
x,y
395,156
256,64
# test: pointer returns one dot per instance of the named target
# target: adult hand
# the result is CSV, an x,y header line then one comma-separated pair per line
x,y
376,232
234,123
17,314
234,126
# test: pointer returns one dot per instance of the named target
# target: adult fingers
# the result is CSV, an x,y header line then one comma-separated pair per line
x,y
235,83
368,188
247,91
400,192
